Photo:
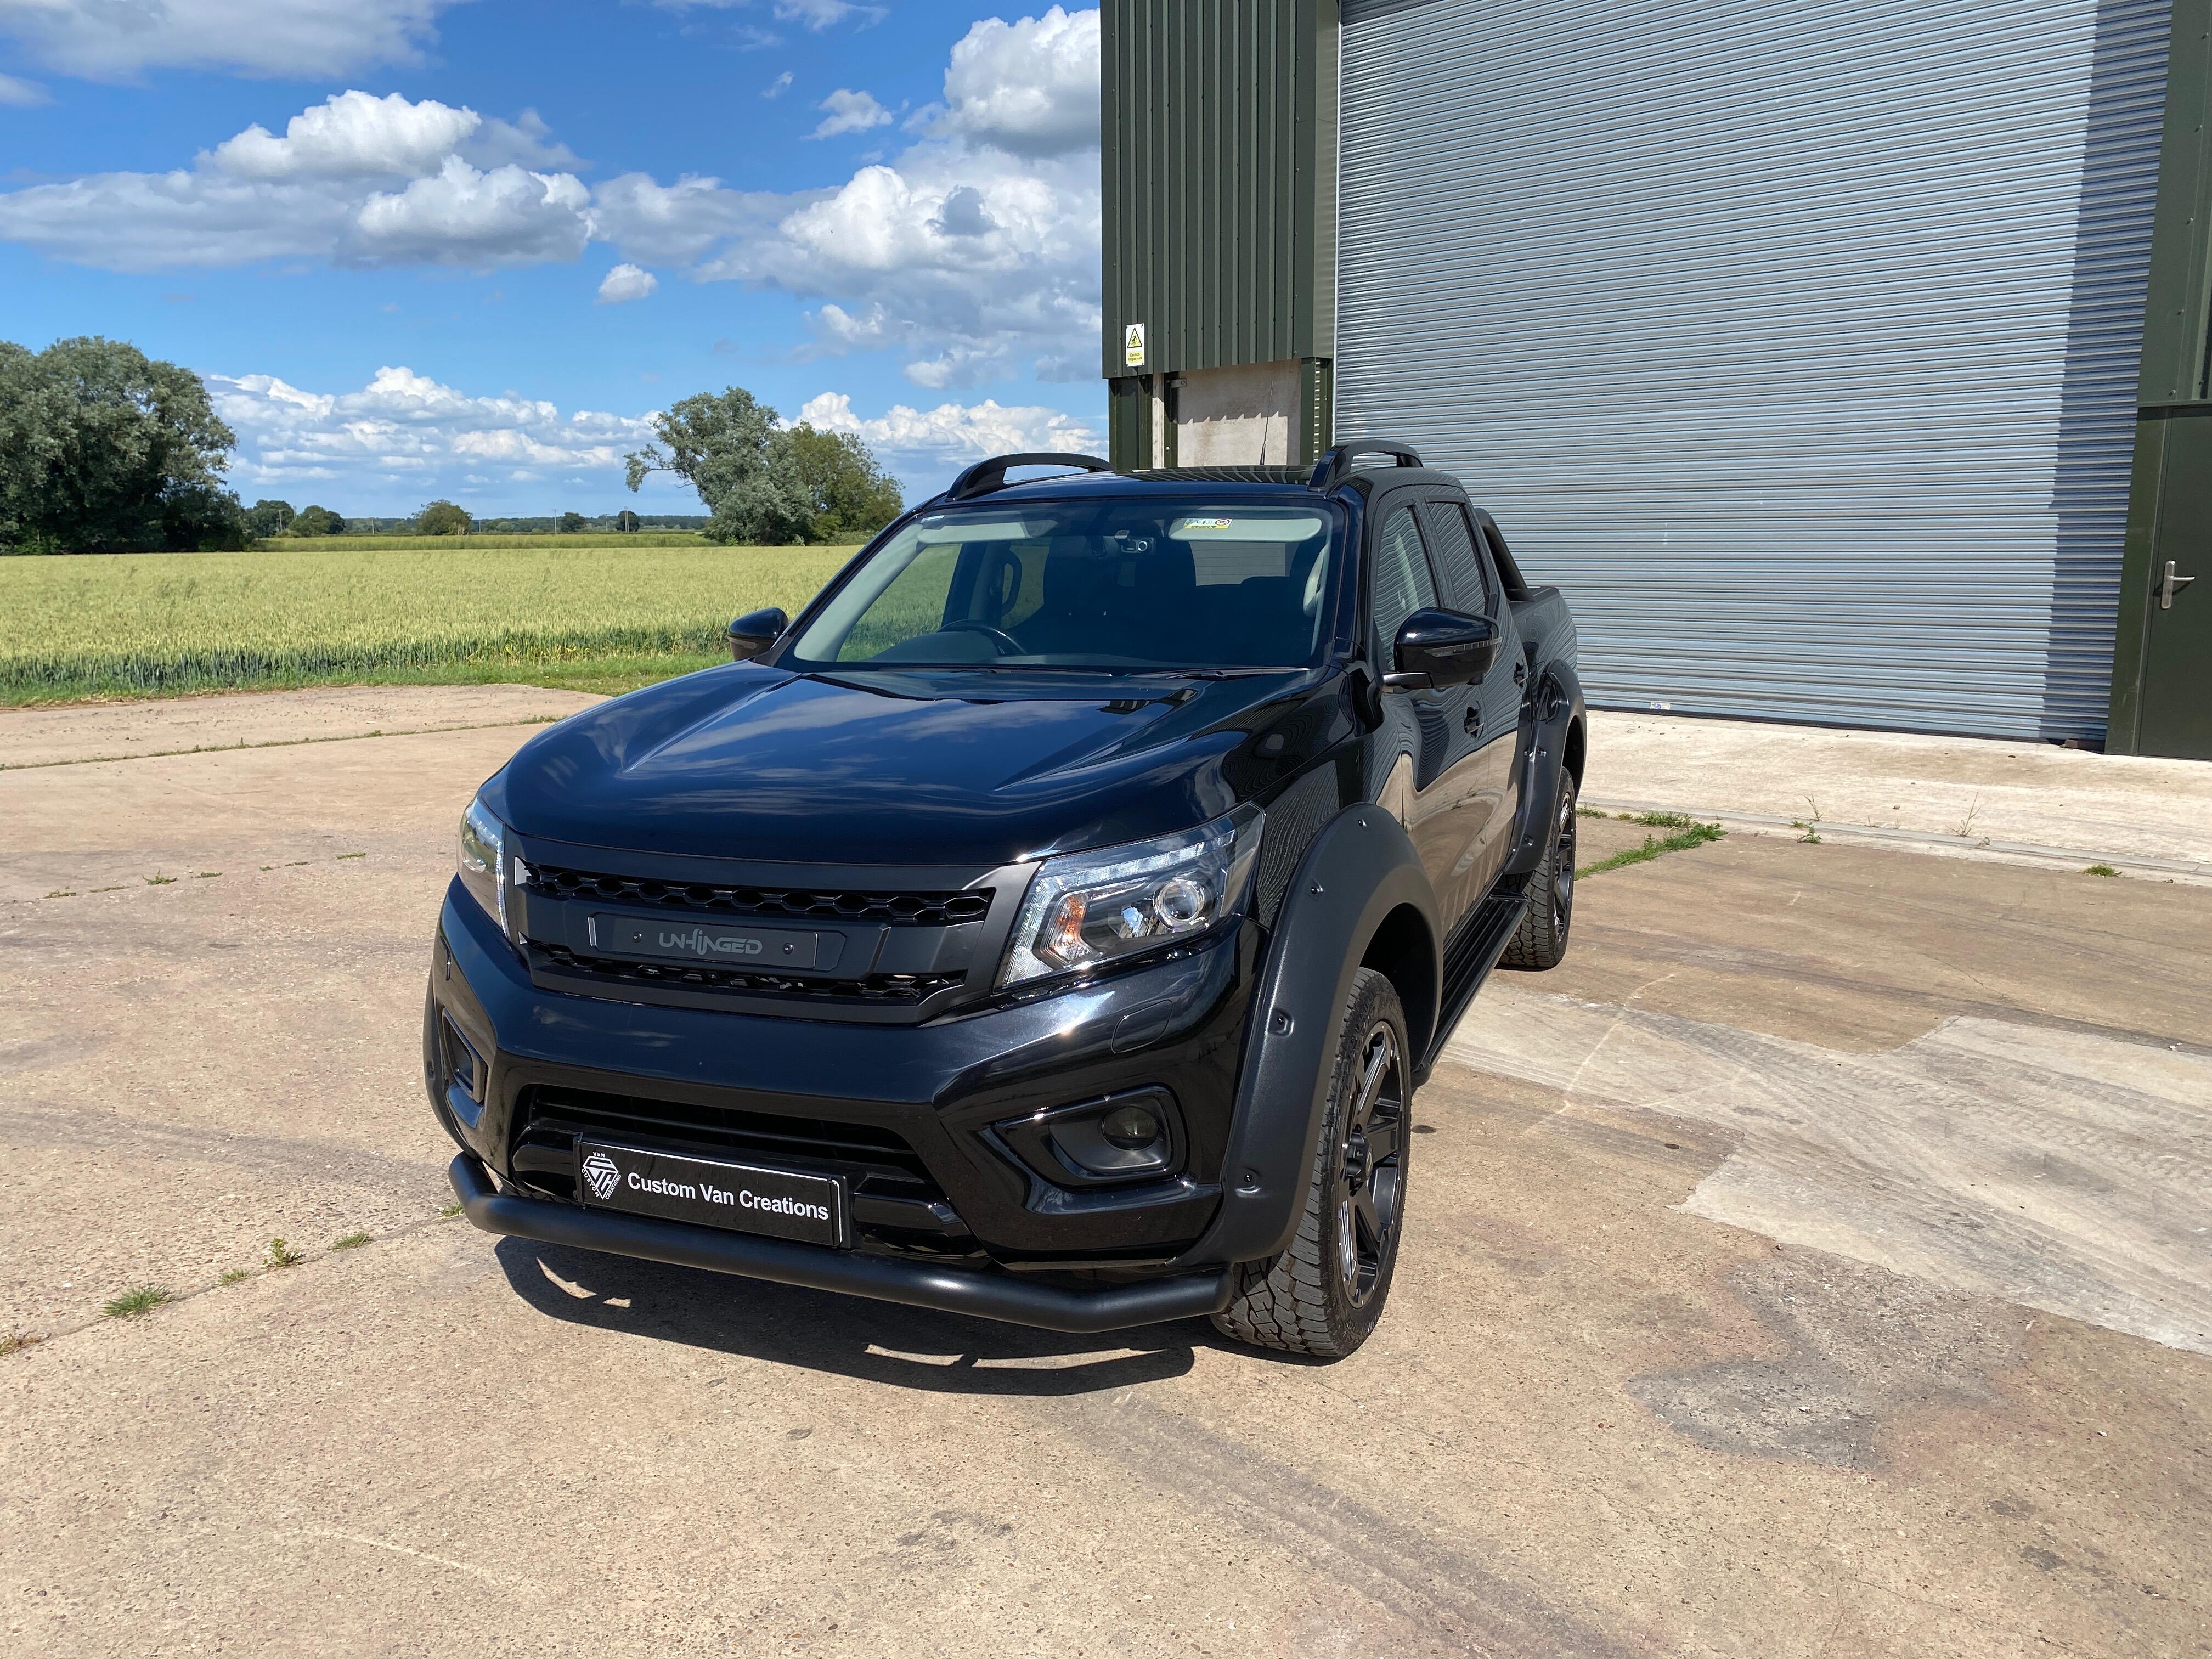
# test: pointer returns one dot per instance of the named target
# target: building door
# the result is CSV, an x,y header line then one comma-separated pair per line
x,y
1798,343
2177,689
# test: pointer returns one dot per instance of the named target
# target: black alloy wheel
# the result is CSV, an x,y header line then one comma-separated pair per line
x,y
1370,1182
1323,1295
1563,862
1540,941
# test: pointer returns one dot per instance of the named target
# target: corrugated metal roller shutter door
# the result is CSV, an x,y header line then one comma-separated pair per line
x,y
1797,340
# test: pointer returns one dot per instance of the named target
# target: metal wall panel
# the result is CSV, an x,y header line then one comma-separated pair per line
x,y
1219,174
1796,339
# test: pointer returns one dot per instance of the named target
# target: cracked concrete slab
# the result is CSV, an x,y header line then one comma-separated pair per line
x,y
1594,1422
78,733
2063,1171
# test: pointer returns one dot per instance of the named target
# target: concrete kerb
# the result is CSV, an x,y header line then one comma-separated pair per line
x,y
2001,851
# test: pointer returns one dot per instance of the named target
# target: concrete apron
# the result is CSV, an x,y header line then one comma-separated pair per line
x,y
2010,801
1815,1263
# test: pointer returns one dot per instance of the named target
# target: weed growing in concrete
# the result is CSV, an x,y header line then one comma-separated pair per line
x,y
342,857
207,875
2100,870
1965,827
1661,820
1588,812
451,1210
281,1254
1696,835
1811,838
117,889
160,881
62,892
354,1241
16,1341
132,1303
232,1275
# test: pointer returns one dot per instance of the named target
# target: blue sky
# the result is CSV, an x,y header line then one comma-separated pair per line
x,y
420,248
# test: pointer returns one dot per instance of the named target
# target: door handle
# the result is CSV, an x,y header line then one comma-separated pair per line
x,y
1470,722
2169,585
1520,673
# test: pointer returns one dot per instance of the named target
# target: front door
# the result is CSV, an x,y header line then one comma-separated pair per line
x,y
2177,682
1492,719
1434,772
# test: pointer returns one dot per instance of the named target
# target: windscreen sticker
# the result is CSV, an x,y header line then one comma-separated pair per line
x,y
1279,527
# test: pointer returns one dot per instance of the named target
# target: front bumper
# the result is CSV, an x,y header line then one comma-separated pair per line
x,y
972,1228
917,1283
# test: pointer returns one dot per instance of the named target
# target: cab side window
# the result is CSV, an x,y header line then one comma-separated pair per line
x,y
1403,584
1453,537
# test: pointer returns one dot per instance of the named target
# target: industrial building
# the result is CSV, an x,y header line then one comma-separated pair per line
x,y
1846,361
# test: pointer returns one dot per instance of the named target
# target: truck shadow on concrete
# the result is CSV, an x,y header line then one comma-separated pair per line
x,y
846,1336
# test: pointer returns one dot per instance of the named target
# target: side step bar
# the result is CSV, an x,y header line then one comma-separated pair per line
x,y
917,1285
1470,955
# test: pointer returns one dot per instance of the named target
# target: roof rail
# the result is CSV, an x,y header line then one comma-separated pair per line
x,y
1335,464
985,476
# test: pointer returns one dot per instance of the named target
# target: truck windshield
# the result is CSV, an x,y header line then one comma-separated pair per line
x,y
1127,584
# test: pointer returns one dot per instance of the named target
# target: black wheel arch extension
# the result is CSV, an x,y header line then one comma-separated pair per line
x,y
1360,898
1556,743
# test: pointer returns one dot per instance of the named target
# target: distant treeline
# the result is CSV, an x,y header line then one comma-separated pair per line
x,y
550,525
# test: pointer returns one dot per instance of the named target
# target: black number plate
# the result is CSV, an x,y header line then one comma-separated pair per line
x,y
741,1197
638,939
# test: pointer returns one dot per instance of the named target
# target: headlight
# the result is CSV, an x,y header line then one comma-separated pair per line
x,y
1086,910
483,861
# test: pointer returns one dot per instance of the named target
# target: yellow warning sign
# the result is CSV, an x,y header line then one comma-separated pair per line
x,y
1132,345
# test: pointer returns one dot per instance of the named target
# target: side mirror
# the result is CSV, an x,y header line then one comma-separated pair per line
x,y
1440,649
754,631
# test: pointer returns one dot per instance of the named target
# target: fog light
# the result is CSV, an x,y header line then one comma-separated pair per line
x,y
1130,1127
1131,1137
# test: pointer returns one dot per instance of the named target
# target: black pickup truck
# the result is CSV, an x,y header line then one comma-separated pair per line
x,y
1051,923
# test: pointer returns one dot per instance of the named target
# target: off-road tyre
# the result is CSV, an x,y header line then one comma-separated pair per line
x,y
1323,1295
1540,941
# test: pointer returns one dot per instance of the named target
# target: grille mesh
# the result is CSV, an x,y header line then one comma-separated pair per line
x,y
876,987
897,910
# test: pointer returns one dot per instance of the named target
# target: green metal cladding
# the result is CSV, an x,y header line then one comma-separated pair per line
x,y
1220,181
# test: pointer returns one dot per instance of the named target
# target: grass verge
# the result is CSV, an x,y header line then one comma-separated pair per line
x,y
1696,835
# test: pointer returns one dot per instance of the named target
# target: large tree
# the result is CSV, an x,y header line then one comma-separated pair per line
x,y
443,518
266,518
103,450
852,495
730,449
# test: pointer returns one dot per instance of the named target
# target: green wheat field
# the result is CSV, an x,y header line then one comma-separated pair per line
x,y
603,614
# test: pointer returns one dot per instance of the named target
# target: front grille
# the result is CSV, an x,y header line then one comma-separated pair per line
x,y
896,910
876,987
877,1158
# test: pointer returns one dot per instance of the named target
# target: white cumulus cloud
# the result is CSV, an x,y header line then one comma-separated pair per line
x,y
350,136
950,434
974,249
480,192
405,438
850,111
117,39
626,282
1029,86
463,217
17,92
